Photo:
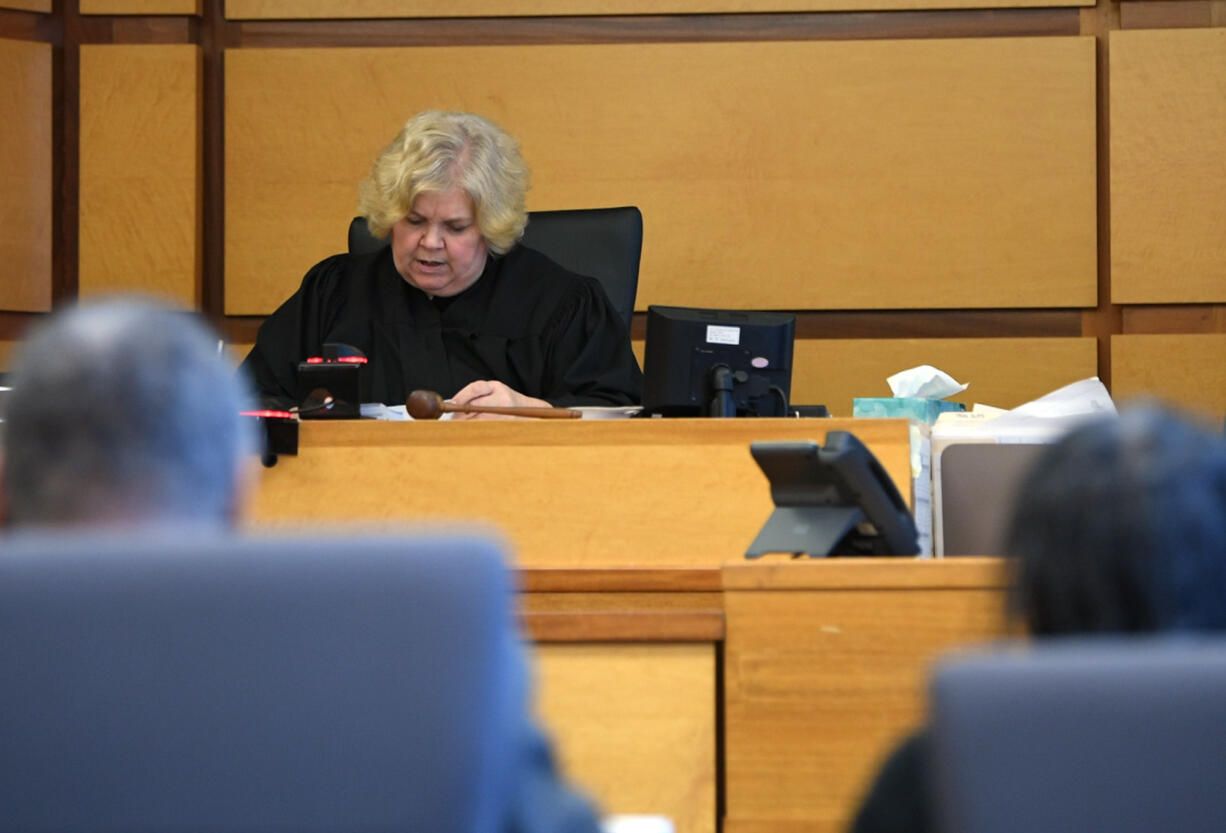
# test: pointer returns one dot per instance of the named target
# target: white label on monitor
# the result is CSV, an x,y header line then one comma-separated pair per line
x,y
723,335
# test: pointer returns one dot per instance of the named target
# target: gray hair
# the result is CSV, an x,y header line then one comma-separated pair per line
x,y
123,411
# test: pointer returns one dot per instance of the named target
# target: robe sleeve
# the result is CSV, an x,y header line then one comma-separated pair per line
x,y
295,331
589,360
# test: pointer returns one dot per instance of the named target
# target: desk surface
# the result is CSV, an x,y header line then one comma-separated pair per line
x,y
621,493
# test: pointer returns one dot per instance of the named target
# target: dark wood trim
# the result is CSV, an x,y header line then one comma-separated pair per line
x,y
943,23
35,26
13,325
1168,14
925,323
236,329
1174,318
145,29
1105,320
721,735
822,324
578,580
625,626
213,192
65,153
938,323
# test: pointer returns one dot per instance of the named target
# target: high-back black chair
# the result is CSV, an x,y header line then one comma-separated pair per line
x,y
1125,735
603,243
215,683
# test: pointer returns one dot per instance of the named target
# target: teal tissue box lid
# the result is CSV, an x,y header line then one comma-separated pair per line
x,y
925,410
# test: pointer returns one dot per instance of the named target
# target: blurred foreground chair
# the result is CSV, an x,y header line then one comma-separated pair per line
x,y
230,685
602,243
1117,735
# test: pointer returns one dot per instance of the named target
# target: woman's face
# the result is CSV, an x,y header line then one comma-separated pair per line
x,y
437,246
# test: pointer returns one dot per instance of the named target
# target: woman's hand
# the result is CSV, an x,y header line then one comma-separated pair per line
x,y
490,393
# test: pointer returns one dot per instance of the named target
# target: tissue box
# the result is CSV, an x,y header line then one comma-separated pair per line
x,y
906,407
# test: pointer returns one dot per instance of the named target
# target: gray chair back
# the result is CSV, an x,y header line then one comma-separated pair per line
x,y
603,243
1117,734
218,684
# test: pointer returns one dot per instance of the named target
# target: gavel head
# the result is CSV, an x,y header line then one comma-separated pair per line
x,y
424,404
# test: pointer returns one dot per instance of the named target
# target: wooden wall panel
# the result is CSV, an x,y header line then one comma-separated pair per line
x,y
27,5
825,667
661,699
1002,372
301,9
1188,370
833,175
25,187
141,7
140,170
1168,174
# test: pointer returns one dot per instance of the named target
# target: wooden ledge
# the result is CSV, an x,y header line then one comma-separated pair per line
x,y
625,626
960,573
619,580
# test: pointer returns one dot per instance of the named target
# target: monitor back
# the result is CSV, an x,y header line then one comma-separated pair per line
x,y
685,344
976,492
216,683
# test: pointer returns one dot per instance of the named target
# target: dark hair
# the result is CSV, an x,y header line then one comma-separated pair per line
x,y
1121,527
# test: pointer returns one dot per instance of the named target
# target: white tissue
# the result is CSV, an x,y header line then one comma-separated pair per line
x,y
924,382
636,824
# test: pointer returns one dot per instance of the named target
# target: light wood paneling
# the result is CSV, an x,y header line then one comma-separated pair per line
x,y
1002,372
27,5
824,669
140,170
25,186
567,493
958,173
1187,370
256,9
141,7
635,726
1168,178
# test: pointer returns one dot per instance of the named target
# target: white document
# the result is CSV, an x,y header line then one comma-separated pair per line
x,y
389,413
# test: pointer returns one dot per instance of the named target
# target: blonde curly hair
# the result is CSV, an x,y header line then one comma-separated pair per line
x,y
437,151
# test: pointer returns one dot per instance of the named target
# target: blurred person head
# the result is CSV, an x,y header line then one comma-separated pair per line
x,y
450,190
122,413
1121,527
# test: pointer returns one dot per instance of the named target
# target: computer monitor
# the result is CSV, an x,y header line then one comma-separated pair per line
x,y
712,362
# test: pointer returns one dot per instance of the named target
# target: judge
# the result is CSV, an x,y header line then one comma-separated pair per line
x,y
454,304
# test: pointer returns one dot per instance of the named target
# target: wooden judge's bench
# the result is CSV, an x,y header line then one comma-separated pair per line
x,y
676,677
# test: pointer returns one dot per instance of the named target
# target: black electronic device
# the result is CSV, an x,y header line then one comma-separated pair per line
x,y
724,363
330,385
831,500
277,433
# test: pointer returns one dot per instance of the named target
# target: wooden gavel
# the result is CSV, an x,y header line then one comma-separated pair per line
x,y
426,404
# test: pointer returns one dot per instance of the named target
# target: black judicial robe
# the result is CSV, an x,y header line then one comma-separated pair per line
x,y
527,322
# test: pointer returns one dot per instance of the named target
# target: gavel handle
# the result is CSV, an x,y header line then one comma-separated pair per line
x,y
535,413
